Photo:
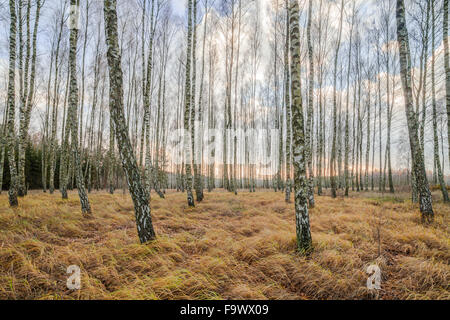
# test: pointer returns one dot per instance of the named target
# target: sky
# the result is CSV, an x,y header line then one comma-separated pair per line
x,y
179,7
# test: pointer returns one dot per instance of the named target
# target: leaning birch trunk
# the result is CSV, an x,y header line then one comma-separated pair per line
x,y
426,206
304,241
137,190
13,202
73,105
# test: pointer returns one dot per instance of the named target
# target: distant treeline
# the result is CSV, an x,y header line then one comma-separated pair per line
x,y
98,177
33,168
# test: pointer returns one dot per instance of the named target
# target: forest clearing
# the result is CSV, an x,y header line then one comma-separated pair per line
x,y
227,247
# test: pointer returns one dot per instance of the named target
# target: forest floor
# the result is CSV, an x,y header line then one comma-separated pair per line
x,y
228,247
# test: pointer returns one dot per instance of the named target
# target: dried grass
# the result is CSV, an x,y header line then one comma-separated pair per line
x,y
227,247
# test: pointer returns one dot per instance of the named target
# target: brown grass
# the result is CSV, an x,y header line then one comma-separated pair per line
x,y
227,247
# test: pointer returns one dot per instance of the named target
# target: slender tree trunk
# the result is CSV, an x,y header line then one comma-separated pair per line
x,y
147,107
426,207
194,137
73,106
347,123
65,161
55,102
236,83
287,103
142,139
111,155
373,145
447,70
310,110
366,173
187,111
437,160
3,143
199,190
13,202
380,150
304,242
83,70
334,142
388,116
211,114
137,190
23,78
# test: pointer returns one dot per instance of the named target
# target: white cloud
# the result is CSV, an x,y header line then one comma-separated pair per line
x,y
179,6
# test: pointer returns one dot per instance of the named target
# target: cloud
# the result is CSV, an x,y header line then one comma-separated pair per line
x,y
179,7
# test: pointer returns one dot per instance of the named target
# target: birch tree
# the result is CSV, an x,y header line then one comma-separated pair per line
x,y
73,107
304,242
334,142
187,111
129,163
3,142
310,110
347,123
13,202
447,69
287,106
27,96
437,161
425,199
194,138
